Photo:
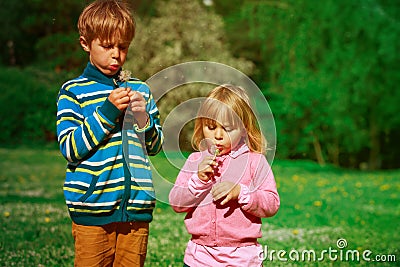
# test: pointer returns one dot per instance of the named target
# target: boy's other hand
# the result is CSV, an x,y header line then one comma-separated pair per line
x,y
138,107
119,97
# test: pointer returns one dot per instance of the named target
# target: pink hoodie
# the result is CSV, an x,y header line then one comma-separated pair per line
x,y
238,223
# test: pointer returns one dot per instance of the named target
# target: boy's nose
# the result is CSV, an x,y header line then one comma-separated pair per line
x,y
115,52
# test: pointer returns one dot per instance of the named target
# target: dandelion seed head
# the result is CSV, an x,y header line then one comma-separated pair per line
x,y
125,75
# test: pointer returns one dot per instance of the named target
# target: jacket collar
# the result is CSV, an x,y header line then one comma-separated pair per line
x,y
93,73
239,150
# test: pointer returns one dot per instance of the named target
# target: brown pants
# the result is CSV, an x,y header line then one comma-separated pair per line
x,y
114,244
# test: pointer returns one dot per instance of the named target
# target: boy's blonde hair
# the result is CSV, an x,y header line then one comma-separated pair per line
x,y
230,104
104,19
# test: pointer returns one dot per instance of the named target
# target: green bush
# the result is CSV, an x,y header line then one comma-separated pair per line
x,y
28,105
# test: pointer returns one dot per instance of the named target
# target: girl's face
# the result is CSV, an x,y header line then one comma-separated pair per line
x,y
225,137
108,57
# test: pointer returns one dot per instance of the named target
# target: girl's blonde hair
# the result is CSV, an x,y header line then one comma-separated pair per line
x,y
229,103
104,18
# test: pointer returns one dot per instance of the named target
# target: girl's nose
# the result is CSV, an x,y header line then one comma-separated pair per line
x,y
219,133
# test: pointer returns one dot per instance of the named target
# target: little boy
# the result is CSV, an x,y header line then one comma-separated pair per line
x,y
108,186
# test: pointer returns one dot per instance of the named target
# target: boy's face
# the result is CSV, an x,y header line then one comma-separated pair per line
x,y
107,56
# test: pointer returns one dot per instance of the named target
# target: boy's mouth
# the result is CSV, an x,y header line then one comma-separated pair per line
x,y
114,67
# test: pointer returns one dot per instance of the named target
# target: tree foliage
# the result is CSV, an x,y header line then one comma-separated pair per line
x,y
332,74
329,69
37,31
180,31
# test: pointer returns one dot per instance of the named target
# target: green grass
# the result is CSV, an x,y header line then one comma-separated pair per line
x,y
318,206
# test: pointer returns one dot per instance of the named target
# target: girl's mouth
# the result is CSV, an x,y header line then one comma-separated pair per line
x,y
219,147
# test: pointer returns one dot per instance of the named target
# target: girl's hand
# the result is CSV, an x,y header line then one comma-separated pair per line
x,y
227,190
138,106
120,98
206,168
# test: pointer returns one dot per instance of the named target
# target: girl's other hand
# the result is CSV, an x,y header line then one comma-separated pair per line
x,y
226,191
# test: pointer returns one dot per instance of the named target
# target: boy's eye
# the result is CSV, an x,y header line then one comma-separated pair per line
x,y
110,46
107,46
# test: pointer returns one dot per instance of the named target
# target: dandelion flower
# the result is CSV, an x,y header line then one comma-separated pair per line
x,y
47,219
6,214
125,75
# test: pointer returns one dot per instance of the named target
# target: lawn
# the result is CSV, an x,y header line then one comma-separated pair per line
x,y
328,216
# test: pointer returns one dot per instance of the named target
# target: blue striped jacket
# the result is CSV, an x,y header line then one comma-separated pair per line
x,y
108,176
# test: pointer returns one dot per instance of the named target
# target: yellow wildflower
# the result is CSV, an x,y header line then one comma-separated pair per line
x,y
317,203
384,187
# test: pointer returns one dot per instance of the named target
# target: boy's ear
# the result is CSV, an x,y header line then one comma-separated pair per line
x,y
84,44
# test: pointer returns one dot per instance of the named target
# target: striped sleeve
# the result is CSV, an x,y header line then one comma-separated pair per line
x,y
153,135
79,135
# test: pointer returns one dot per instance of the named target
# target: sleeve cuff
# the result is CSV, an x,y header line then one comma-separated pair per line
x,y
197,186
144,128
244,195
110,111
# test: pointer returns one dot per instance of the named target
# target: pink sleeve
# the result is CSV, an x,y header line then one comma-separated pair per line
x,y
261,197
244,195
197,187
188,190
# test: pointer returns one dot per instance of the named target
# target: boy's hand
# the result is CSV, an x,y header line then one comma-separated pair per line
x,y
206,168
226,190
138,106
119,97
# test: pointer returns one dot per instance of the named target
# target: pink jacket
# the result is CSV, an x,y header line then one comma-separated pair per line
x,y
238,223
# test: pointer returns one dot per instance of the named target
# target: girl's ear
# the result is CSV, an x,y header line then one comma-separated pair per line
x,y
84,44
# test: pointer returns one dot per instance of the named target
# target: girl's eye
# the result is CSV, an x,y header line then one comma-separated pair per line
x,y
211,127
228,128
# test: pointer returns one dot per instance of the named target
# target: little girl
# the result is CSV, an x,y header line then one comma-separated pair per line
x,y
225,189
